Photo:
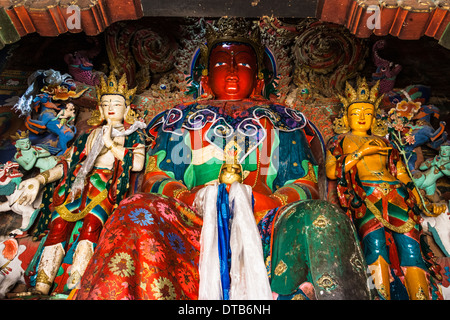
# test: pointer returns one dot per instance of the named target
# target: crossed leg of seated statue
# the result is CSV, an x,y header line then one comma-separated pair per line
x,y
315,242
150,247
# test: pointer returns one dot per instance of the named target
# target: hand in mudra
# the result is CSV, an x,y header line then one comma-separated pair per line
x,y
435,209
373,147
28,191
107,138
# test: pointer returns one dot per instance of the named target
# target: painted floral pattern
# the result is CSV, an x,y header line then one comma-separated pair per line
x,y
137,244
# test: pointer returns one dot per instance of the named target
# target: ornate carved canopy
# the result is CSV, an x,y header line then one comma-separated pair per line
x,y
406,19
54,17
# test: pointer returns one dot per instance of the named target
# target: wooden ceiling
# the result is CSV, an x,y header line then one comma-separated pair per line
x,y
405,19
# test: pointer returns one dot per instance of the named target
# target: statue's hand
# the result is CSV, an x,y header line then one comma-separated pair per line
x,y
373,147
107,139
435,209
27,191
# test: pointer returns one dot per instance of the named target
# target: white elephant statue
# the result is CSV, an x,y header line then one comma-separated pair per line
x,y
439,227
10,178
11,271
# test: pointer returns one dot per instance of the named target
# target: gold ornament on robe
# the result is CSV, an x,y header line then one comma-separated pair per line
x,y
231,170
230,173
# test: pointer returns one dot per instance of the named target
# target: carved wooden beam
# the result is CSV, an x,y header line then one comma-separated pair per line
x,y
406,19
236,8
54,17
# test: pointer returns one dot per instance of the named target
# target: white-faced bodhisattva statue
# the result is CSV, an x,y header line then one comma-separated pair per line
x,y
94,177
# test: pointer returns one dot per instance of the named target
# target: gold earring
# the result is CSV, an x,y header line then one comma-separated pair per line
x,y
339,126
260,75
131,116
96,118
379,127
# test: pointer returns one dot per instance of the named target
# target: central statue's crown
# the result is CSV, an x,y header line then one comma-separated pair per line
x,y
232,30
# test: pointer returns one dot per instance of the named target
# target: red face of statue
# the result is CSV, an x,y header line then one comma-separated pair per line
x,y
233,71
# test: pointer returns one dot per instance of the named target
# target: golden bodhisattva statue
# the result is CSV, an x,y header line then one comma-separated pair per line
x,y
375,188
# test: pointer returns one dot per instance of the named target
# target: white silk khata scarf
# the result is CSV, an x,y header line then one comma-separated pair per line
x,y
97,146
248,275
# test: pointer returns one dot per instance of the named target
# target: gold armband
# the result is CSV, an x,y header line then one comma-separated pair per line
x,y
356,155
45,175
177,193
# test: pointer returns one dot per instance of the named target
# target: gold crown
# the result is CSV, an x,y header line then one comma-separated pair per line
x,y
111,86
20,135
232,30
361,94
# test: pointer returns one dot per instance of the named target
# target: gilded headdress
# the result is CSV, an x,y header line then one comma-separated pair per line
x,y
232,30
19,135
361,94
112,86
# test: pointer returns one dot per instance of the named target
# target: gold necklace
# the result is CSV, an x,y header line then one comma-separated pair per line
x,y
378,173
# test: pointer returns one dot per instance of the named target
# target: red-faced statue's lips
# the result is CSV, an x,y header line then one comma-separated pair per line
x,y
231,86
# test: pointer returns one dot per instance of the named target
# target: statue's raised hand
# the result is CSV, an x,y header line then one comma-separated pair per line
x,y
107,130
435,209
373,147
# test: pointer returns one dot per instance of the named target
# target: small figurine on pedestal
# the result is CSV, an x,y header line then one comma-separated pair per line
x,y
10,178
28,156
66,116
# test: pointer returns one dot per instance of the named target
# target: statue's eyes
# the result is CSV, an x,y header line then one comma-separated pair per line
x,y
245,65
218,64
